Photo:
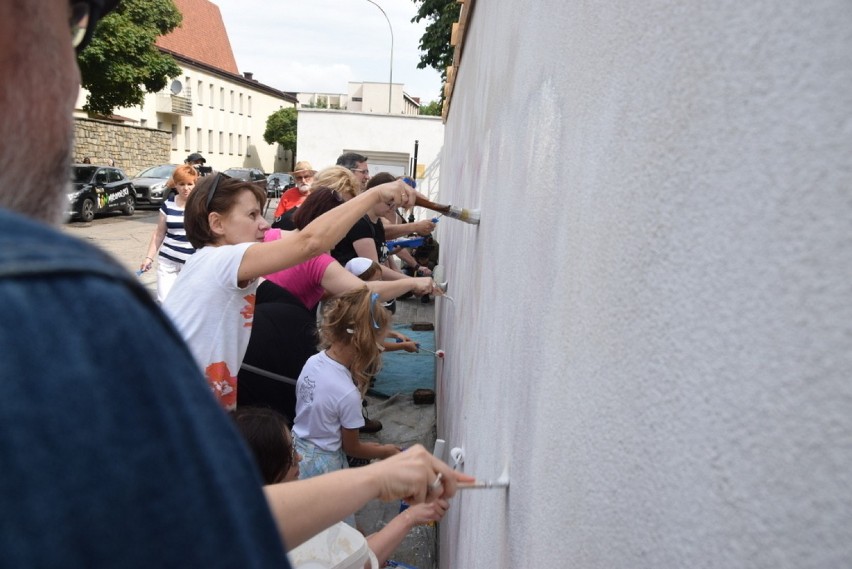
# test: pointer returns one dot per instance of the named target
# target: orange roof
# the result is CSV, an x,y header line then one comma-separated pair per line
x,y
201,36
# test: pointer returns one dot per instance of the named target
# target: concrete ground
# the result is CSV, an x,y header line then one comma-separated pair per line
x,y
127,238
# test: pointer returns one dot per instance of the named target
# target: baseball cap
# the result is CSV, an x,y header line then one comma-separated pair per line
x,y
358,265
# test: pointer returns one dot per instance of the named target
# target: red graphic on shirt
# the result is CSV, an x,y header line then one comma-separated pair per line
x,y
223,384
248,310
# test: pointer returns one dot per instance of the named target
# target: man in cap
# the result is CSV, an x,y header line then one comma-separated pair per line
x,y
303,173
114,452
198,161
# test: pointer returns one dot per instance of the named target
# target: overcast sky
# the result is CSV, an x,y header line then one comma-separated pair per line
x,y
321,45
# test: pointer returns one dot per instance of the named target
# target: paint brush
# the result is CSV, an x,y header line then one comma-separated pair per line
x,y
482,485
501,482
467,215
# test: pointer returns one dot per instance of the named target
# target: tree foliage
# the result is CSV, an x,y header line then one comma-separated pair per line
x,y
122,59
435,48
433,109
281,128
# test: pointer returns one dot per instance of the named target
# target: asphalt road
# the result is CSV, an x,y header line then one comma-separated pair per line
x,y
125,237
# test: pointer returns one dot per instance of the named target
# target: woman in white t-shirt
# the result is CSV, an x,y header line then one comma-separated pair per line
x,y
212,301
332,383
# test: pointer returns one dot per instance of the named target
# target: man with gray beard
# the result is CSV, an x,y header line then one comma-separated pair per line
x,y
113,451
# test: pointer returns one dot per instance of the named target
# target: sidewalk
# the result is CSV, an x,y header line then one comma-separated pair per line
x,y
405,424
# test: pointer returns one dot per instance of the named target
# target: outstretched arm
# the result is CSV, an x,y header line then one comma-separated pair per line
x,y
385,541
320,235
304,508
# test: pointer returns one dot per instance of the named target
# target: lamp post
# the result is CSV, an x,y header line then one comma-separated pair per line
x,y
390,81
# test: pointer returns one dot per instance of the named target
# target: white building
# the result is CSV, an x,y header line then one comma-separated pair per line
x,y
211,108
389,141
365,97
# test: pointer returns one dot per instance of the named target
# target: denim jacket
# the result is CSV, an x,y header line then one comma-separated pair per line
x,y
113,451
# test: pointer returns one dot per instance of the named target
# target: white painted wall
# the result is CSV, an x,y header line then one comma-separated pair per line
x,y
323,135
653,323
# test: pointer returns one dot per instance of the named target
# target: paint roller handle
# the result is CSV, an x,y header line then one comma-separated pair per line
x,y
408,242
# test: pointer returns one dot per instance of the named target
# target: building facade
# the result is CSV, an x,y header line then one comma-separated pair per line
x,y
365,97
210,108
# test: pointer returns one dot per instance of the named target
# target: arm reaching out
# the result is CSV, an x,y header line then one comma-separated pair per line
x,y
304,508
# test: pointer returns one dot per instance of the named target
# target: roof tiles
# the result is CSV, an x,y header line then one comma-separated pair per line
x,y
201,36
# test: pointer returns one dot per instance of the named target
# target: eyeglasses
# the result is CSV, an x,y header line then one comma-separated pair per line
x,y
80,22
297,178
362,171
212,191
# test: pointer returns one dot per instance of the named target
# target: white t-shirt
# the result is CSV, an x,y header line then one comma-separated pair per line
x,y
214,315
326,401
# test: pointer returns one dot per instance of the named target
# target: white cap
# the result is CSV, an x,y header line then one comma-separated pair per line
x,y
358,265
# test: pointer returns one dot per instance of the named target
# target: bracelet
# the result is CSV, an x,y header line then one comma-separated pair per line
x,y
150,259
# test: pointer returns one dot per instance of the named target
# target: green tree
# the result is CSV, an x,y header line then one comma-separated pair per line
x,y
281,128
432,108
435,48
122,58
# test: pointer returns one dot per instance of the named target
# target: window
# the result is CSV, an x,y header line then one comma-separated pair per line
x,y
174,137
231,143
221,98
198,138
241,103
201,92
186,145
240,144
209,141
221,141
210,92
249,105
232,100
248,144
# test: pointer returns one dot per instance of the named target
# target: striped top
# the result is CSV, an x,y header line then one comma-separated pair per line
x,y
176,246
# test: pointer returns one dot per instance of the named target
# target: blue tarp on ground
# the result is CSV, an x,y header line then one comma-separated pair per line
x,y
403,372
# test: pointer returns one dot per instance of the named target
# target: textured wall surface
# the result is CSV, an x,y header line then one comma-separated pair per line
x,y
652,325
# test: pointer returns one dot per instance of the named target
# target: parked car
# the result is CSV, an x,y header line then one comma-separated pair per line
x,y
247,174
99,189
278,182
150,184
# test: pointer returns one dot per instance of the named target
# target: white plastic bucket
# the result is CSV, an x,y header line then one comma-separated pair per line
x,y
339,547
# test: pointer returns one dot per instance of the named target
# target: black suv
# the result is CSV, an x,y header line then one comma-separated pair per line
x,y
99,189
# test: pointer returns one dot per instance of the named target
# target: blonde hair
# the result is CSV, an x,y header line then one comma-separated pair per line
x,y
358,319
339,179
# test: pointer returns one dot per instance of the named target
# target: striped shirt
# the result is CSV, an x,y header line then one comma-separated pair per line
x,y
176,246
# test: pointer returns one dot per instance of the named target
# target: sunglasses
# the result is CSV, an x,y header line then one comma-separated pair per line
x,y
212,191
84,16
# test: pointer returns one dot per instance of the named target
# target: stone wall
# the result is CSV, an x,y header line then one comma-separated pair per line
x,y
132,147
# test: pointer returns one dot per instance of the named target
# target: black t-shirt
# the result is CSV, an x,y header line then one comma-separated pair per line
x,y
344,251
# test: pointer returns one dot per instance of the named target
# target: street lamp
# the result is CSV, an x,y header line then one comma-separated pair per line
x,y
390,81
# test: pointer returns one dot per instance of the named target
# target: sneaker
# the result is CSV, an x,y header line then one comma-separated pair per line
x,y
371,426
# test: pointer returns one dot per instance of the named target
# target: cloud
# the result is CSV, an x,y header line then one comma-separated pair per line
x,y
321,45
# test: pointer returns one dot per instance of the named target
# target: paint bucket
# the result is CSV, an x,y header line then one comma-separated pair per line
x,y
339,547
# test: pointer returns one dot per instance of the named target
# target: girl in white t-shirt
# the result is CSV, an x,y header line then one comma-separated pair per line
x,y
212,301
332,383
